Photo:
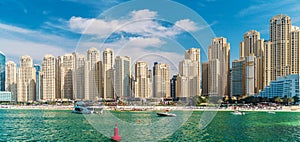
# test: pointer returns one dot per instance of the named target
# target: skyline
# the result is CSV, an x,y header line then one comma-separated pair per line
x,y
52,29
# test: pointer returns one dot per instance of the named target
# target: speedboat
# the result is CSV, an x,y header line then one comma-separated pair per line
x,y
271,112
166,114
82,110
236,112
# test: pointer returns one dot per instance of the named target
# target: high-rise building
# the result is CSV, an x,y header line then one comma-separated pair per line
x,y
161,80
250,62
67,77
205,75
188,79
58,65
11,79
142,80
48,78
173,86
2,71
37,86
194,55
219,65
26,80
108,73
122,76
280,27
92,82
295,50
253,48
238,78
267,63
79,76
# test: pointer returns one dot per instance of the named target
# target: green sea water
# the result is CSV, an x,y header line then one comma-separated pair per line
x,y
62,125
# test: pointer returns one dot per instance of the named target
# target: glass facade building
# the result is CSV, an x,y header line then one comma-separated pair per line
x,y
2,71
284,86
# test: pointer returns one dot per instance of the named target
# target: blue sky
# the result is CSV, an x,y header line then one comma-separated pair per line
x,y
57,27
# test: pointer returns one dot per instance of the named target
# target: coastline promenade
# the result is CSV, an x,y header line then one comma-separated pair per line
x,y
158,108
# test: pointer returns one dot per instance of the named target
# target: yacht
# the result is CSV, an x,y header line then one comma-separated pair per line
x,y
236,112
166,114
82,108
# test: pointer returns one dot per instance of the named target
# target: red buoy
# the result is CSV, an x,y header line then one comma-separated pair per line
x,y
116,136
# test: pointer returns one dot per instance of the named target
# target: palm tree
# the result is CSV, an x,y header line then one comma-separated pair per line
x,y
290,100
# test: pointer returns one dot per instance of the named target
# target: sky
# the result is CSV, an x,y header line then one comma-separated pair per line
x,y
140,29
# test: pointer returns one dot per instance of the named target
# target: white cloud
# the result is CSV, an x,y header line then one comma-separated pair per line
x,y
140,22
187,25
14,29
14,49
143,14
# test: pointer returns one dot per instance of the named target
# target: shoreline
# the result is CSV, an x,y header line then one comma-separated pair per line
x,y
152,108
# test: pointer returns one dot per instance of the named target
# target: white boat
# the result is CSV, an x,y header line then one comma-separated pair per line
x,y
82,108
271,112
166,114
238,113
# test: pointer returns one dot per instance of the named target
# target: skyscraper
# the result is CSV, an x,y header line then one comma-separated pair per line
x,y
2,71
187,80
194,55
205,75
173,86
108,73
280,27
67,77
122,76
48,78
92,81
267,63
295,50
38,84
79,76
219,65
238,78
252,48
11,79
26,80
58,65
161,81
142,80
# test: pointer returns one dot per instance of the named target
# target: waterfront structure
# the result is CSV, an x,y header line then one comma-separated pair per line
x,y
142,80
173,84
205,74
79,76
48,78
194,55
238,78
37,68
280,28
6,96
219,65
122,76
161,81
187,79
284,86
2,71
108,73
11,79
26,80
295,50
67,77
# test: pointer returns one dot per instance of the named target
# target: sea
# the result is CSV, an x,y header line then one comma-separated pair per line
x,y
62,125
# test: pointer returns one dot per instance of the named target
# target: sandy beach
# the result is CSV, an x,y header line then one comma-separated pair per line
x,y
157,108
